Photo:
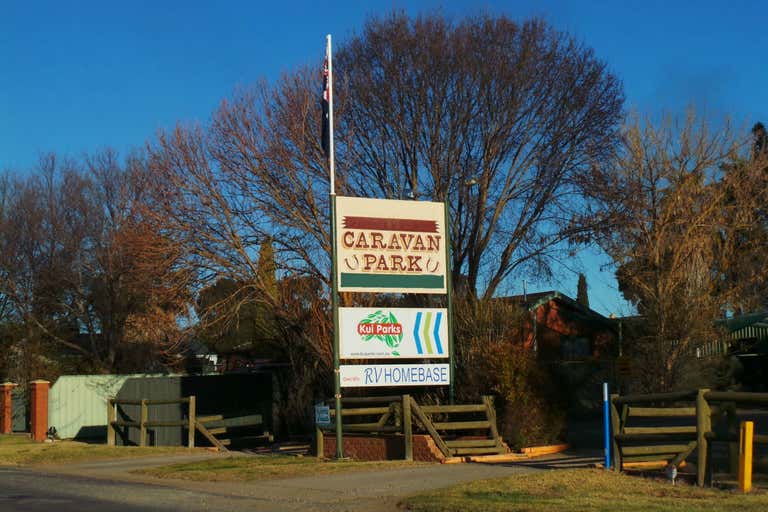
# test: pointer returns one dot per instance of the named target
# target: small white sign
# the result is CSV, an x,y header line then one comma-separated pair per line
x,y
392,333
381,375
322,415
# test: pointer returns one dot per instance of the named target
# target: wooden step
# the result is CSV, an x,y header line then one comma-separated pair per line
x,y
471,443
462,425
478,451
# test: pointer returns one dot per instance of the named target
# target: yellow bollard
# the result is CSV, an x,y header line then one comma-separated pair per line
x,y
745,456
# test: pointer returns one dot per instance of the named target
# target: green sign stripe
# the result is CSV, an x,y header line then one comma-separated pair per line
x,y
425,332
391,281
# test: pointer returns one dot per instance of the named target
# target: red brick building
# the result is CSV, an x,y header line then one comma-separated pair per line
x,y
560,329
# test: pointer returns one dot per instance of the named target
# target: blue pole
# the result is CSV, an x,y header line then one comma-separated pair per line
x,y
606,426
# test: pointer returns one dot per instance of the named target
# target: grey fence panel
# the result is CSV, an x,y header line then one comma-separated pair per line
x,y
77,404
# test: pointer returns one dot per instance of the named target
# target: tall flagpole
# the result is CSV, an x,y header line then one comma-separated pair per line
x,y
331,161
334,262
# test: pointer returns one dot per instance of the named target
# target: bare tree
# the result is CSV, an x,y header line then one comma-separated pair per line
x,y
670,231
495,117
84,270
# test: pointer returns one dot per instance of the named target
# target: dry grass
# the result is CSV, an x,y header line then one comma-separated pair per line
x,y
584,490
265,467
20,450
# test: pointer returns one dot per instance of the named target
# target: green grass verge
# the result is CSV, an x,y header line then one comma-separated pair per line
x,y
20,450
265,467
583,490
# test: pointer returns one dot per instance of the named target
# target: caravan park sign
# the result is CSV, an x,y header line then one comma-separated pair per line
x,y
390,246
393,333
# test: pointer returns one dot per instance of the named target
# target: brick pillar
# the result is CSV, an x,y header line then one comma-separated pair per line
x,y
38,410
6,412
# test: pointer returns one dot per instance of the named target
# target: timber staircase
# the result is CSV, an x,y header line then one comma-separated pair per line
x,y
461,430
456,430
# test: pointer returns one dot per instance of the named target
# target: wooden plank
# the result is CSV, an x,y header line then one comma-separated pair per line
x,y
476,451
111,418
122,423
703,425
653,449
616,426
168,402
503,457
362,411
425,421
676,396
648,458
734,438
471,443
738,397
684,454
662,412
238,421
646,464
448,409
143,426
126,402
462,425
191,419
206,419
217,430
689,429
319,443
490,412
407,427
215,442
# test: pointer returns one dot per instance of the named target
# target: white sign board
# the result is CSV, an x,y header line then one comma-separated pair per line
x,y
393,333
390,246
380,375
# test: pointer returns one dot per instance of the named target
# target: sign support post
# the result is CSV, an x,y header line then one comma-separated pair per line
x,y
449,292
336,360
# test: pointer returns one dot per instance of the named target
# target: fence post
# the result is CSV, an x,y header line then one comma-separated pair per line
x,y
615,430
111,418
407,427
192,419
703,426
319,442
143,423
745,456
733,446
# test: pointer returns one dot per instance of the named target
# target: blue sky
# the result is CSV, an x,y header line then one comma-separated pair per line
x,y
82,75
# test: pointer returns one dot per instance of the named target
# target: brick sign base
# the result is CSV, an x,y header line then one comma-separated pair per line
x,y
383,448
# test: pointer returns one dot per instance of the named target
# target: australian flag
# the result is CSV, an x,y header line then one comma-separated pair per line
x,y
326,128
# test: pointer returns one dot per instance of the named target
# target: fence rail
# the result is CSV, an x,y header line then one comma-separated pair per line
x,y
144,423
694,414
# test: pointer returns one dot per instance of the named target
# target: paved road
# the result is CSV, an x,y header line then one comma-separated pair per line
x,y
107,486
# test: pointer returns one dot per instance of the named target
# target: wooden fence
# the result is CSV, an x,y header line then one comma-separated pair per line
x,y
446,424
113,422
666,428
210,427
